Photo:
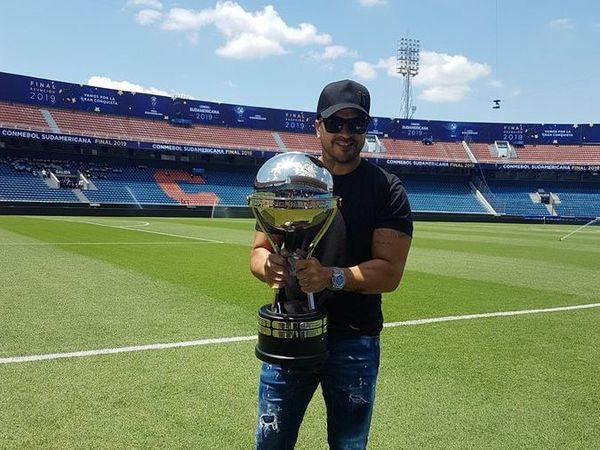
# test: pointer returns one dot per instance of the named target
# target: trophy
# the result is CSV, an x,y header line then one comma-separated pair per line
x,y
293,197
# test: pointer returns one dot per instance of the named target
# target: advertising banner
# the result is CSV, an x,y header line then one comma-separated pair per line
x,y
247,116
199,112
459,131
590,134
139,145
294,121
515,133
421,163
56,94
382,126
545,134
553,167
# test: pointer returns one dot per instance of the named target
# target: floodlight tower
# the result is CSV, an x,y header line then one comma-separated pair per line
x,y
407,65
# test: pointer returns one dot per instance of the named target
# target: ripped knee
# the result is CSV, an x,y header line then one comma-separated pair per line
x,y
269,422
357,399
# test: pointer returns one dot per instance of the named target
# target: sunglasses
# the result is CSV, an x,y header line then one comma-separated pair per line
x,y
356,125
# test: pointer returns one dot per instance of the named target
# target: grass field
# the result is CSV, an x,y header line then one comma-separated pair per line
x,y
70,284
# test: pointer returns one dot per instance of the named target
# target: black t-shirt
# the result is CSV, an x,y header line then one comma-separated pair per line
x,y
371,198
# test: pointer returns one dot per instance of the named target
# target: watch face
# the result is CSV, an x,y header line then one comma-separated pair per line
x,y
338,279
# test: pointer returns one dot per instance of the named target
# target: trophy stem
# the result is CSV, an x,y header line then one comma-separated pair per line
x,y
276,307
311,301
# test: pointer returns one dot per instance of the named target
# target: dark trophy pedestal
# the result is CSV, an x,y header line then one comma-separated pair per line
x,y
291,339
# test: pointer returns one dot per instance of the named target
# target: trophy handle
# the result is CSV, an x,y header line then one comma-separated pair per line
x,y
263,228
323,229
275,306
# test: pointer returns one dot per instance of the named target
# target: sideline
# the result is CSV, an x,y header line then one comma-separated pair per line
x,y
139,348
45,244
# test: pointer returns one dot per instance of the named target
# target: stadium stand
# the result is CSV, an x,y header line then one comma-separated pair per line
x,y
121,127
514,198
431,151
441,194
127,185
20,116
21,180
133,128
300,142
563,154
172,182
229,185
541,154
441,175
577,200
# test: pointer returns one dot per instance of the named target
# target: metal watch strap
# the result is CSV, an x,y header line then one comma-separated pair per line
x,y
338,279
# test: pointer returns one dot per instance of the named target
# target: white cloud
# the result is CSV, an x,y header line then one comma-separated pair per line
x,y
438,94
248,34
105,82
441,69
247,45
364,70
368,71
332,52
561,24
179,19
147,16
156,4
443,77
515,92
496,83
373,2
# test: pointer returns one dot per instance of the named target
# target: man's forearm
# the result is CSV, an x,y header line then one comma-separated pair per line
x,y
375,276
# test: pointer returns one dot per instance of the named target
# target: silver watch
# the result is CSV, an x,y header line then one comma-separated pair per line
x,y
338,279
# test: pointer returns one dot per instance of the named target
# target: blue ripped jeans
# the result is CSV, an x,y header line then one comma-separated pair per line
x,y
347,378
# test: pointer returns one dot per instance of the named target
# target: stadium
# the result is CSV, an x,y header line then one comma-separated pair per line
x,y
122,149
128,314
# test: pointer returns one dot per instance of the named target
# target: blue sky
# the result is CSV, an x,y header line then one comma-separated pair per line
x,y
541,58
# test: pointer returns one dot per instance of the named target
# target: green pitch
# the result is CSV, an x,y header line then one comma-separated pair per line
x,y
71,284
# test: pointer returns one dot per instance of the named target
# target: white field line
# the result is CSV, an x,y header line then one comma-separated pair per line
x,y
42,244
225,340
213,241
486,315
132,228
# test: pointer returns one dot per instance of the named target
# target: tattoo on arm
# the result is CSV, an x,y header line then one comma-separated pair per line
x,y
386,237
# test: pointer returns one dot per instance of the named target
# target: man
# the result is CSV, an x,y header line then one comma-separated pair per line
x,y
362,255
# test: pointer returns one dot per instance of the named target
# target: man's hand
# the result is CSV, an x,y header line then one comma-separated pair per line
x,y
276,270
265,264
312,276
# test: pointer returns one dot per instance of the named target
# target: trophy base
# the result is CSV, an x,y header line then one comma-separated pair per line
x,y
291,340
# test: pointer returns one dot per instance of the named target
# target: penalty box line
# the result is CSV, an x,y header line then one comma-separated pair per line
x,y
226,340
134,227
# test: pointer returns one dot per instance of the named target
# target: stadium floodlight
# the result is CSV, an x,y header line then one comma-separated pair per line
x,y
407,65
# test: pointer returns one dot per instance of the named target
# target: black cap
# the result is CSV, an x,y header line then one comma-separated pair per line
x,y
343,94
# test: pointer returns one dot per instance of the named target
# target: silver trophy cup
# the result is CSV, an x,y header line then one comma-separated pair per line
x,y
293,199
